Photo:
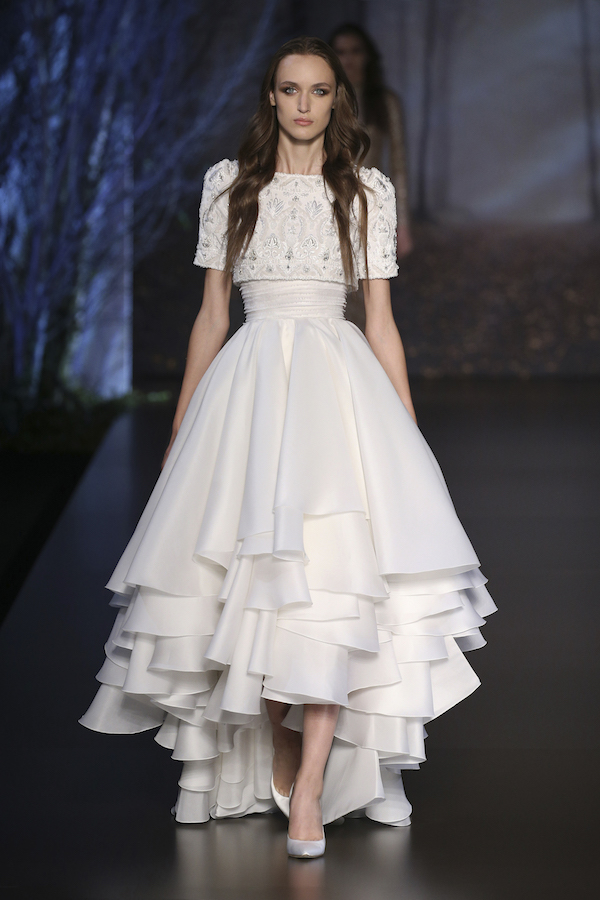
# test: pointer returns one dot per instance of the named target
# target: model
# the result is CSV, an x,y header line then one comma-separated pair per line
x,y
295,600
381,114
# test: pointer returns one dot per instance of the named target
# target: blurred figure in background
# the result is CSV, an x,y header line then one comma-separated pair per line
x,y
382,115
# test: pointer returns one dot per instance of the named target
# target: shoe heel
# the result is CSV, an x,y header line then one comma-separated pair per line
x,y
281,800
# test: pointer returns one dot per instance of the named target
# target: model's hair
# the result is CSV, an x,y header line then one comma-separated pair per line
x,y
346,145
374,89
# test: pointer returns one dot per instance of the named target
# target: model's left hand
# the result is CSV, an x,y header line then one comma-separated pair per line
x,y
404,241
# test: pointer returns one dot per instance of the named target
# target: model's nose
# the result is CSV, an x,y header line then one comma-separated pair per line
x,y
303,103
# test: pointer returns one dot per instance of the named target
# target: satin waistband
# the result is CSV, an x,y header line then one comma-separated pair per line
x,y
293,299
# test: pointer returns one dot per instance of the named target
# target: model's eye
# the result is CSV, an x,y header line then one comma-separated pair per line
x,y
288,90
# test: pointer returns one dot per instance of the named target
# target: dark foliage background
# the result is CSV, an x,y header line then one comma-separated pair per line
x,y
109,113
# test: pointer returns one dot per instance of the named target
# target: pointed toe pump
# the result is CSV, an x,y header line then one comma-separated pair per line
x,y
305,849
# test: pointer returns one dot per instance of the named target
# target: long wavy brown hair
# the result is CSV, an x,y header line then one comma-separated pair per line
x,y
346,145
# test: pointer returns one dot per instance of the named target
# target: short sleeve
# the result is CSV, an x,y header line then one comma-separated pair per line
x,y
211,249
381,226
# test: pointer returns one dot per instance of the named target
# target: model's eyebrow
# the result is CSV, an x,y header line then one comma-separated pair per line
x,y
294,84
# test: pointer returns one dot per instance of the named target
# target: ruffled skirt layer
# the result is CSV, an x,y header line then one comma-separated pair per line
x,y
300,545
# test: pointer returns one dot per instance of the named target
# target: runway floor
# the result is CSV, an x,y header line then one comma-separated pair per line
x,y
506,807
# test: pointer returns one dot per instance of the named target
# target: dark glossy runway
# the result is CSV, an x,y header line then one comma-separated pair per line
x,y
506,806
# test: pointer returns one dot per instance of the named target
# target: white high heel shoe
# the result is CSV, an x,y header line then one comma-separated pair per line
x,y
305,849
281,800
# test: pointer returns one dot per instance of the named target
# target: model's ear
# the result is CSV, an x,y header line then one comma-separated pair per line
x,y
272,98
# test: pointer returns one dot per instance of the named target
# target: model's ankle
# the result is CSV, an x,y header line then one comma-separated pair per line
x,y
309,783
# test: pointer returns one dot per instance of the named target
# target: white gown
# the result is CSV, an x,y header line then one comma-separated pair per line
x,y
300,544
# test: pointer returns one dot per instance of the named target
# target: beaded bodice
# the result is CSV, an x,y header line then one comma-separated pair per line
x,y
296,236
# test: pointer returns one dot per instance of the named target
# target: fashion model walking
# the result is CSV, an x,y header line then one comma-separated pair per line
x,y
295,601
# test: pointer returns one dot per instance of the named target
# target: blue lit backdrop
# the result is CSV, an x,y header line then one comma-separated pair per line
x,y
110,111
107,109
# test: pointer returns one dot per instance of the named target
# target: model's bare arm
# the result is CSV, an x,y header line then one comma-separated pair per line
x,y
207,337
384,338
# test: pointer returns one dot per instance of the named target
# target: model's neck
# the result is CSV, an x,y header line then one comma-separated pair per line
x,y
299,158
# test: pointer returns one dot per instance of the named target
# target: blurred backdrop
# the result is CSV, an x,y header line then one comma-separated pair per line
x,y
111,111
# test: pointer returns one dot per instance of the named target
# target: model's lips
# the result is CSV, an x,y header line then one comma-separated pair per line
x,y
303,121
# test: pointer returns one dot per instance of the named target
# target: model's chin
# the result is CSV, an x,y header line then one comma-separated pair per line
x,y
305,129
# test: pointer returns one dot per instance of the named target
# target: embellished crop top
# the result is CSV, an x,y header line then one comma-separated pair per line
x,y
296,236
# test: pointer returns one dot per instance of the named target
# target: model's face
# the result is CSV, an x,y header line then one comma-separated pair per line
x,y
352,55
304,95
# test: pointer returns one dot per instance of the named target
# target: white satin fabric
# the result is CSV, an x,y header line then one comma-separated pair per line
x,y
293,299
300,545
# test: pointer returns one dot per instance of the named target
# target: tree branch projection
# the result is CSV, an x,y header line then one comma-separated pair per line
x,y
108,110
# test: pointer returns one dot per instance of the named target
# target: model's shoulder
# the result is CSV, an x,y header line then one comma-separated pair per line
x,y
376,180
222,173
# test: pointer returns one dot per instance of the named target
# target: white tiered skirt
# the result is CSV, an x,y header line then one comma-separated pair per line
x,y
300,545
